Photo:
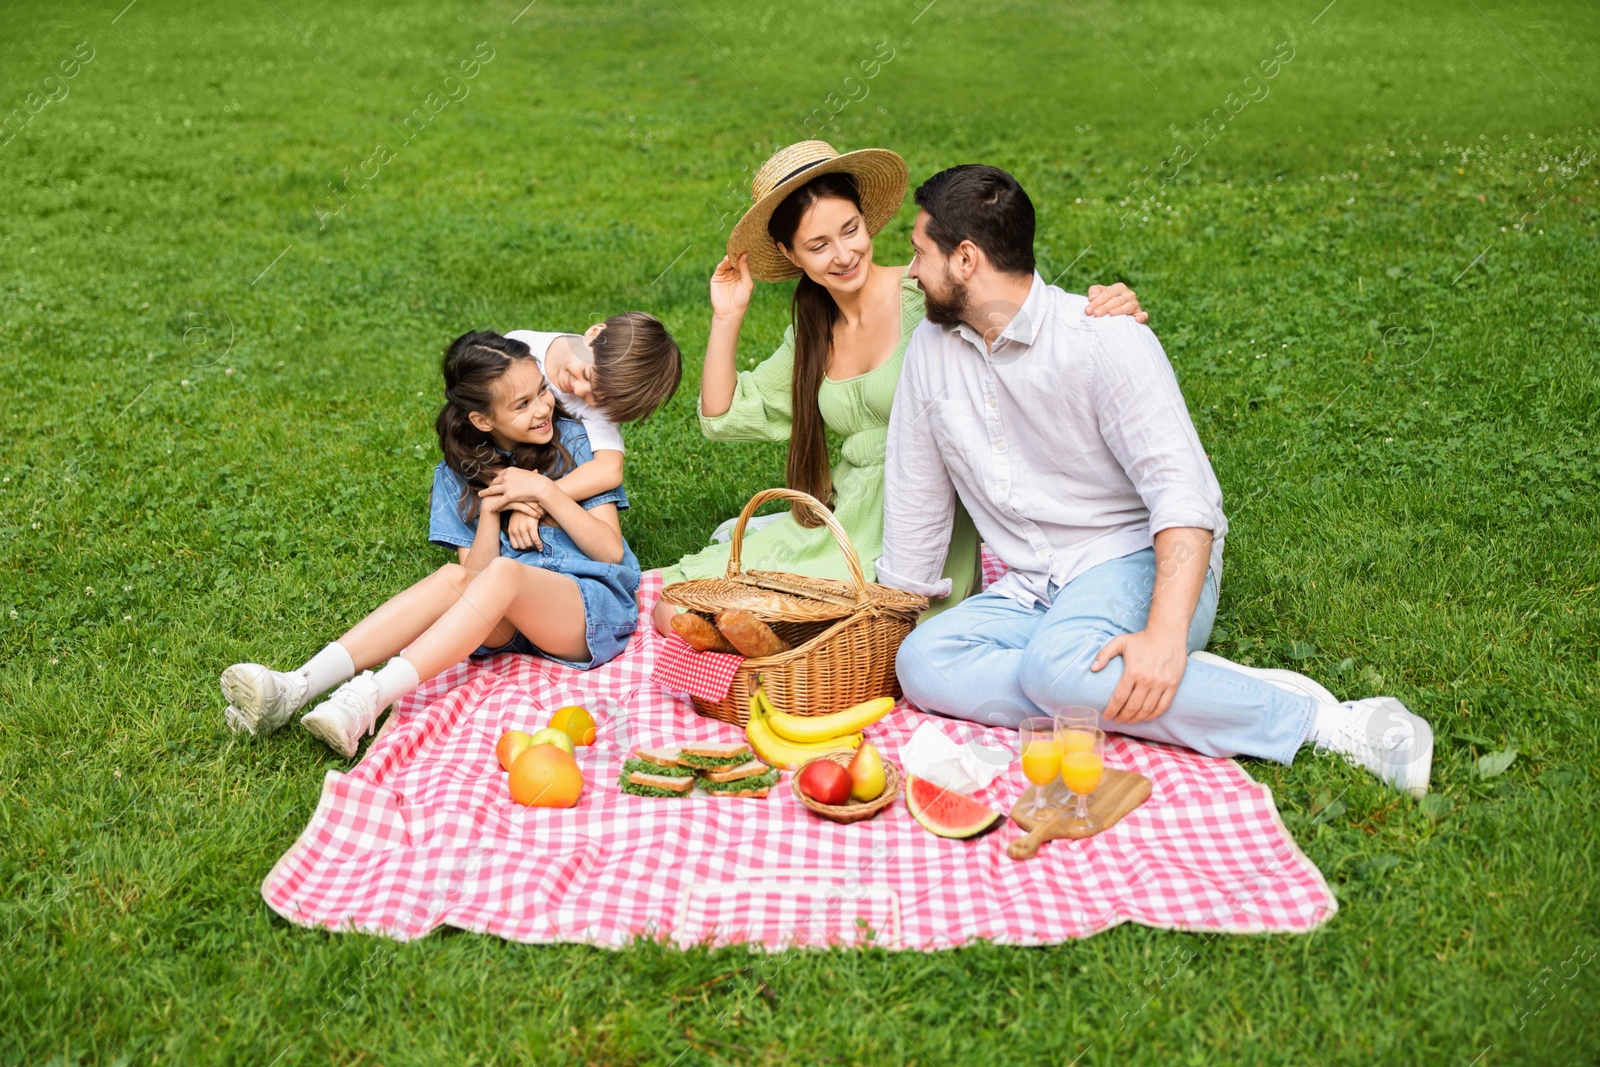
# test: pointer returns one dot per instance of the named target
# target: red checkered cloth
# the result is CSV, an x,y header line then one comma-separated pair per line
x,y
706,675
422,833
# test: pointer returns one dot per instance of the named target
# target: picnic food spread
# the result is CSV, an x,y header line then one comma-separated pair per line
x,y
867,779
701,634
575,721
753,638
511,745
811,729
543,771
725,770
948,813
825,782
545,776
781,752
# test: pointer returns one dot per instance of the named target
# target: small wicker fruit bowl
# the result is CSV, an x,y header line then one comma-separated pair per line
x,y
848,813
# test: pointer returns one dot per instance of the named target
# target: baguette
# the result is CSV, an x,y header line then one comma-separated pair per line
x,y
700,634
753,638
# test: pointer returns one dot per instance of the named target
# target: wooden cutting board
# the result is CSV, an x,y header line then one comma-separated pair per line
x,y
1119,793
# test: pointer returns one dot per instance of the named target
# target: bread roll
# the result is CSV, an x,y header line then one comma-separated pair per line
x,y
753,638
699,633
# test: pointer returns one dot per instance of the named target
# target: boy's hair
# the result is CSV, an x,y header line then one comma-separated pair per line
x,y
984,205
637,366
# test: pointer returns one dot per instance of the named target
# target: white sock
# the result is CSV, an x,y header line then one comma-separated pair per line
x,y
328,668
396,678
1325,727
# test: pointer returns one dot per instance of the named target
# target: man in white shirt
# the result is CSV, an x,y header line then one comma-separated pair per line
x,y
1069,443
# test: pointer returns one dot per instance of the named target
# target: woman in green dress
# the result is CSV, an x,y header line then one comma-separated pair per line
x,y
814,217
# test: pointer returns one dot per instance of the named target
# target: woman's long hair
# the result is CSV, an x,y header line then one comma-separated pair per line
x,y
472,364
814,313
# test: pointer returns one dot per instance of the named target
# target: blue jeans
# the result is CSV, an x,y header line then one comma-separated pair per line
x,y
993,661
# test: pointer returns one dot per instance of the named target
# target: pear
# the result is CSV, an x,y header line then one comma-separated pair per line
x,y
866,774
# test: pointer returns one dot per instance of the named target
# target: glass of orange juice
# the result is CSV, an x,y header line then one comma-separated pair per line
x,y
1082,762
1041,760
1070,717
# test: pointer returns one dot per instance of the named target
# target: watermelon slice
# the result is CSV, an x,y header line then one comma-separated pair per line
x,y
945,812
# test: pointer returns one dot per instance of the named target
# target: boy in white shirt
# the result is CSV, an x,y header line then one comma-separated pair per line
x,y
616,371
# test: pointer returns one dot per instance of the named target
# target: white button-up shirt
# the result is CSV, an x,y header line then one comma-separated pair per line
x,y
1069,444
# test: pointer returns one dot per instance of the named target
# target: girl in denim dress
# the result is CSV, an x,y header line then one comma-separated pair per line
x,y
572,597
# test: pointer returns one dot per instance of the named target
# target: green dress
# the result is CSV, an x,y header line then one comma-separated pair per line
x,y
857,409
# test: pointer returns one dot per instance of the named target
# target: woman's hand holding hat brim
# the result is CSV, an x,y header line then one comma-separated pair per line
x,y
731,286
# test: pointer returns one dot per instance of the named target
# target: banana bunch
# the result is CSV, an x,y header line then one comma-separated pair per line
x,y
778,751
810,729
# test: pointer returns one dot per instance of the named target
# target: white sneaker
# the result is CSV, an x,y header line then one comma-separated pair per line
x,y
1383,736
261,700
346,716
1293,681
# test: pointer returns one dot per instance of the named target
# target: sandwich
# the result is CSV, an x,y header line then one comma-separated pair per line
x,y
664,757
656,772
644,784
713,755
751,778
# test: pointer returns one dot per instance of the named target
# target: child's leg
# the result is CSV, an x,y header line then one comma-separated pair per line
x,y
261,700
403,617
547,607
663,616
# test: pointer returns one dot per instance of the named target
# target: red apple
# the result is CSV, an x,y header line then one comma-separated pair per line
x,y
825,782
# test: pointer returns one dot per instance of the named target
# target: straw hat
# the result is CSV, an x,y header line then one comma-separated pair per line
x,y
881,176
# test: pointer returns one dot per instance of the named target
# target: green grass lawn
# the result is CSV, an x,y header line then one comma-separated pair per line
x,y
239,235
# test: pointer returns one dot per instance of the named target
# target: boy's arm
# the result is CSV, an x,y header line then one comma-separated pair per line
x,y
599,475
597,531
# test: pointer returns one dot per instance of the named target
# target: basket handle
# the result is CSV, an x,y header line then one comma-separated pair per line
x,y
852,560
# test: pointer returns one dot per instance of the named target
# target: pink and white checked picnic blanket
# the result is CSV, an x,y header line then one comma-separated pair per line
x,y
422,833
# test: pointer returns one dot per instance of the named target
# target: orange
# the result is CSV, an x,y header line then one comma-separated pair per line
x,y
510,746
546,777
576,722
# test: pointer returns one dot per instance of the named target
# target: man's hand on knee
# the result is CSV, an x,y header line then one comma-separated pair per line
x,y
1152,666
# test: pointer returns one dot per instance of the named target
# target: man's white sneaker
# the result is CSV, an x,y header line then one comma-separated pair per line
x,y
346,716
1383,736
261,700
1293,681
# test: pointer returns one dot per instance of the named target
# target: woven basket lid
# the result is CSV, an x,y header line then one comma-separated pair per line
x,y
776,596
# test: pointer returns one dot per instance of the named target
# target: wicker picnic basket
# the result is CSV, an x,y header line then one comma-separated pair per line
x,y
842,635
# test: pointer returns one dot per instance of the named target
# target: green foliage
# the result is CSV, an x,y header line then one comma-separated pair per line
x,y
221,310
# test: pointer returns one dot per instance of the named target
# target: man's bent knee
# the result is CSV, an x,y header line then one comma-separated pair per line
x,y
1058,676
918,679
